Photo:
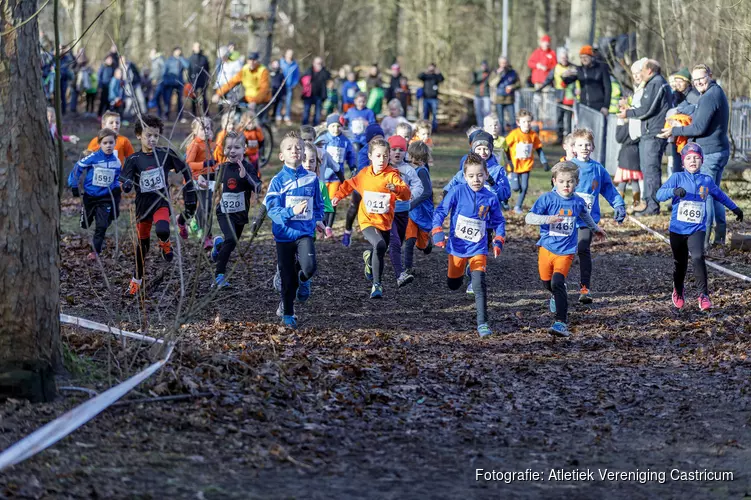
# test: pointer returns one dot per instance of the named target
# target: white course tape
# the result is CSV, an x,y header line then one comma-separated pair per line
x,y
708,262
93,325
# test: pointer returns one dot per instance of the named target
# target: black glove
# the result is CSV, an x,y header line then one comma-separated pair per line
x,y
75,192
546,167
491,181
190,210
679,192
209,163
738,214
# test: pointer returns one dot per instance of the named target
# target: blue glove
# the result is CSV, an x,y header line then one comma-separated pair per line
x,y
620,214
439,238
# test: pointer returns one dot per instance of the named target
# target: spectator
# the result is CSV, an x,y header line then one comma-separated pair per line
x,y
199,78
431,78
80,61
291,72
564,93
227,70
253,78
375,90
403,94
482,92
67,76
683,91
277,82
655,103
395,117
594,81
541,62
86,83
116,92
508,83
314,91
135,102
709,128
104,76
395,84
156,74
173,79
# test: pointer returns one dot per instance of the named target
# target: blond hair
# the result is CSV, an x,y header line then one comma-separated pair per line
x,y
565,167
583,133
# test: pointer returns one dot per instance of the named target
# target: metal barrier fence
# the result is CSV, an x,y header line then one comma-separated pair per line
x,y
740,128
542,105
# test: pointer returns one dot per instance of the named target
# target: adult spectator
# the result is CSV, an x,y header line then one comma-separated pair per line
x,y
482,92
135,102
314,90
431,78
291,72
394,83
564,93
508,83
541,62
173,81
254,78
656,100
67,78
709,128
199,77
227,69
683,91
594,81
104,76
156,75
277,86
80,62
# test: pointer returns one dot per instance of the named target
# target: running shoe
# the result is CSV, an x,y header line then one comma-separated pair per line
x,y
193,226
678,300
216,247
584,296
290,322
366,255
278,281
280,309
551,304
469,289
411,271
404,279
303,291
328,233
91,257
135,286
183,231
346,237
376,292
166,247
518,210
484,330
221,281
208,243
704,303
559,329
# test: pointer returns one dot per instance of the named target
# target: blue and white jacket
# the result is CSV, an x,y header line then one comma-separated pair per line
x,y
364,114
288,188
98,168
340,150
594,181
501,188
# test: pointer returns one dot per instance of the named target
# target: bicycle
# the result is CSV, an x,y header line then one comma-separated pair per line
x,y
267,147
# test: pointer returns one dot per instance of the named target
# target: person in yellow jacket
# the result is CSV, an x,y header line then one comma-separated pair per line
x,y
615,95
254,78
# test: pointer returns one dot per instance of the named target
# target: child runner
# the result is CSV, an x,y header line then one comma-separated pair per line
x,y
380,186
520,143
688,222
404,130
148,170
481,143
568,148
420,208
395,117
474,209
423,132
594,181
629,170
198,156
358,119
253,137
295,207
228,123
349,92
401,208
124,148
73,139
492,126
557,212
372,132
238,181
101,188
341,151
311,162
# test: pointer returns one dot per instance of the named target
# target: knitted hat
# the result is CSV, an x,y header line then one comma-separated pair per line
x,y
373,130
691,148
587,50
545,38
332,118
683,74
398,142
481,138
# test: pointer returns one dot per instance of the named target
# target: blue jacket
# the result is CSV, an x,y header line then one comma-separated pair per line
x,y
709,121
501,188
288,188
173,70
422,213
362,159
509,78
594,181
92,165
365,114
349,91
689,213
483,211
291,72
560,238
116,90
341,151
104,75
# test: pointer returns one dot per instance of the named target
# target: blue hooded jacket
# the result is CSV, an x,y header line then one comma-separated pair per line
x,y
501,188
291,72
594,181
97,167
340,149
349,91
288,188
365,114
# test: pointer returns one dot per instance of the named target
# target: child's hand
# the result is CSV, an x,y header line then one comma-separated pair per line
x,y
438,237
554,219
74,139
600,234
300,207
243,172
320,227
391,187
335,201
202,183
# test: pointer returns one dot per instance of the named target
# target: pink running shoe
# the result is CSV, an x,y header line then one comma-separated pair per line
x,y
678,301
91,257
704,303
208,242
183,231
329,233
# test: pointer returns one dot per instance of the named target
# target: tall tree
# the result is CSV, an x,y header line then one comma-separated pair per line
x,y
581,26
150,33
29,215
79,17
644,37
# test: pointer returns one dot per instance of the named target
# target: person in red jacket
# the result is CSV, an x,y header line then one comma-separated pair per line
x,y
542,61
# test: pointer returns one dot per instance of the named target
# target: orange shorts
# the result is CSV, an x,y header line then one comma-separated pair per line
x,y
347,105
550,263
414,231
332,187
144,227
457,265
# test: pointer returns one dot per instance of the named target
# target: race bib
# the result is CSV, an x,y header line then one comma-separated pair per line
x,y
152,180
252,144
351,93
471,230
336,153
291,201
523,151
212,184
358,126
589,199
691,212
564,228
376,203
103,177
233,202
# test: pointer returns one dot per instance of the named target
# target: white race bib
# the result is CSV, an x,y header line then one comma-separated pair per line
x,y
358,126
212,184
351,92
564,228
376,203
253,144
523,151
467,229
233,202
291,201
103,177
691,212
589,199
152,180
336,153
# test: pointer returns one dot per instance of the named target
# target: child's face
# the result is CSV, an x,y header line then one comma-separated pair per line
x,y
396,156
351,77
482,150
379,157
565,183
205,131
393,111
334,129
569,149
291,152
583,149
310,161
360,102
50,116
493,128
149,139
112,123
107,145
525,123
234,150
423,134
404,134
475,176
692,163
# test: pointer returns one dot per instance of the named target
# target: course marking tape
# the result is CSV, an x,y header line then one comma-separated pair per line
x,y
707,261
93,325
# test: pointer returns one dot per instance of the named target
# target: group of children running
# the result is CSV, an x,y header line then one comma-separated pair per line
x,y
391,196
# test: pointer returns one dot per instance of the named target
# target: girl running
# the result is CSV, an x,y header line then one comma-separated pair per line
x,y
203,167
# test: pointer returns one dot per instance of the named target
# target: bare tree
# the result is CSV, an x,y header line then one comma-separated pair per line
x,y
581,24
150,32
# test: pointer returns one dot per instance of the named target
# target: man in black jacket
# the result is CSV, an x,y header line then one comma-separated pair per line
x,y
199,77
594,80
395,83
656,100
430,78
317,76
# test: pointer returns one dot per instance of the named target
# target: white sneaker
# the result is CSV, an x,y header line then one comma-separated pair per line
x,y
280,309
278,281
404,279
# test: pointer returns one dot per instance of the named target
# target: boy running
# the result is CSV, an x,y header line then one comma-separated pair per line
x,y
341,151
124,148
520,143
358,118
420,208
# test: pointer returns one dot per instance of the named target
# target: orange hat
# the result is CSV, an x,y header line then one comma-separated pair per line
x,y
587,51
398,142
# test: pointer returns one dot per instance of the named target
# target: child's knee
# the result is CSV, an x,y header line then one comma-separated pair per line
x,y
558,282
162,230
381,247
454,283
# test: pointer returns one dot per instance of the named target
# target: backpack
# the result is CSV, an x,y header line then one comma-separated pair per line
x,y
307,86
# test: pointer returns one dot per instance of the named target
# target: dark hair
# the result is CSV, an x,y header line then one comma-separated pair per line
x,y
106,132
475,159
150,121
653,66
419,153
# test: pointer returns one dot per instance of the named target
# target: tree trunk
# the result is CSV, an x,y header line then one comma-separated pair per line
x,y
150,33
581,25
29,216
79,17
389,36
644,35
136,50
542,11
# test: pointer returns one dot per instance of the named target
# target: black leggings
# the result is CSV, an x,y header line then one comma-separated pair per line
x,y
162,232
557,286
480,287
101,212
585,256
297,262
380,241
352,211
232,232
682,244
